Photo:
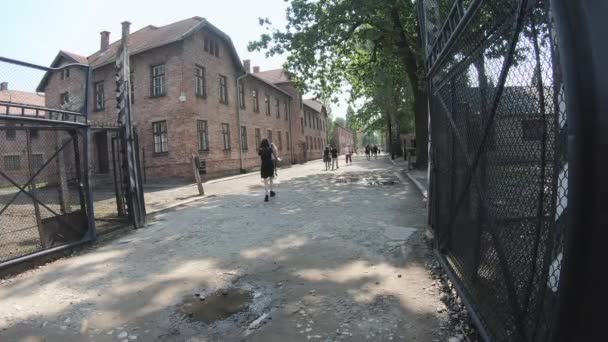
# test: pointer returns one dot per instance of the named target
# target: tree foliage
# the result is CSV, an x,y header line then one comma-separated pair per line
x,y
372,46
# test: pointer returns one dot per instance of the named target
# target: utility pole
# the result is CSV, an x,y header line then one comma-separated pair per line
x,y
135,201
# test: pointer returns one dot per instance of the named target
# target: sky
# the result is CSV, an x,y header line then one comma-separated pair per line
x,y
34,31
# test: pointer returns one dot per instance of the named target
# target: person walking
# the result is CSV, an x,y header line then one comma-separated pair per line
x,y
367,152
334,158
267,170
326,158
375,150
348,155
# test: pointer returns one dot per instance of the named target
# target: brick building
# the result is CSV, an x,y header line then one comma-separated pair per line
x,y
315,128
308,119
343,137
191,96
15,138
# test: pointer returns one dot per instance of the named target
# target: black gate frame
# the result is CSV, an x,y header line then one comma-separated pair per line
x,y
77,124
578,310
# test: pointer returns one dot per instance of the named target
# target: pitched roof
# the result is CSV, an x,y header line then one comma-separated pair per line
x,y
145,39
268,83
76,57
275,75
151,37
69,56
314,104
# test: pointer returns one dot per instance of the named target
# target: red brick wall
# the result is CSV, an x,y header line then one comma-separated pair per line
x,y
264,122
296,111
181,115
315,150
343,137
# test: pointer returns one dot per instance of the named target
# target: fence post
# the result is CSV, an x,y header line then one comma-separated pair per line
x,y
197,176
32,187
64,190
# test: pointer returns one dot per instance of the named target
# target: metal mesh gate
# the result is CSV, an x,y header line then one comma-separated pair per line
x,y
43,195
499,176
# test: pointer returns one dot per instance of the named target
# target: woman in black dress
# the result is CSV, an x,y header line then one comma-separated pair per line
x,y
267,169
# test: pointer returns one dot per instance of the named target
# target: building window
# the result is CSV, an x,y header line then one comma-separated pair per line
x,y
244,146
11,133
242,96
12,162
302,124
277,108
267,103
256,101
37,161
160,136
223,90
269,135
532,129
64,98
34,133
100,97
258,138
65,73
200,85
211,47
203,135
226,136
206,44
217,49
286,110
280,137
158,80
287,140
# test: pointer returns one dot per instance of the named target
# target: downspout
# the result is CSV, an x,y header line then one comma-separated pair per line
x,y
238,119
290,130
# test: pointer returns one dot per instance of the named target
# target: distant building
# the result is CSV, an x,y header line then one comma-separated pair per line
x,y
343,137
315,128
15,161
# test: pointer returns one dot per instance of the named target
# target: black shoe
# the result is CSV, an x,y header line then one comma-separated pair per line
x,y
266,198
272,193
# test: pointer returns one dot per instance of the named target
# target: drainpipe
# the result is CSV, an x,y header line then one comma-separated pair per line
x,y
290,130
238,119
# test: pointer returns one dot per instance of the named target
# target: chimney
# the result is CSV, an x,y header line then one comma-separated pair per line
x,y
247,65
256,69
105,40
4,86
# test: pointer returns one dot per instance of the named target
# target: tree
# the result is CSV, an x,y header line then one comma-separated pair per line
x,y
326,39
352,124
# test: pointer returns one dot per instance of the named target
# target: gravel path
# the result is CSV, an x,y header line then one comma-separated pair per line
x,y
335,256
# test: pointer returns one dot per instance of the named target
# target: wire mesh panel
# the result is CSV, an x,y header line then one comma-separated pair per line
x,y
42,194
499,201
44,198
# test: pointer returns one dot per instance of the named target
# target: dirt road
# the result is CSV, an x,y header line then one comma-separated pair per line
x,y
336,256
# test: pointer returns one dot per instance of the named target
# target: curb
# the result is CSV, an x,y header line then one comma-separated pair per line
x,y
423,190
219,180
177,204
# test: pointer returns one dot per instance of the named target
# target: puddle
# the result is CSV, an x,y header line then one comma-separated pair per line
x,y
347,180
368,181
216,306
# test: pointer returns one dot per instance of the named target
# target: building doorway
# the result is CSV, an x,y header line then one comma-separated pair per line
x,y
101,143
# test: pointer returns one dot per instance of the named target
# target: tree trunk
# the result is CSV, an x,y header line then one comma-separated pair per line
x,y
390,133
421,122
412,62
395,141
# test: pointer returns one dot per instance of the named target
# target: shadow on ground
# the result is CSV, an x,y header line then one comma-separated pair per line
x,y
328,259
